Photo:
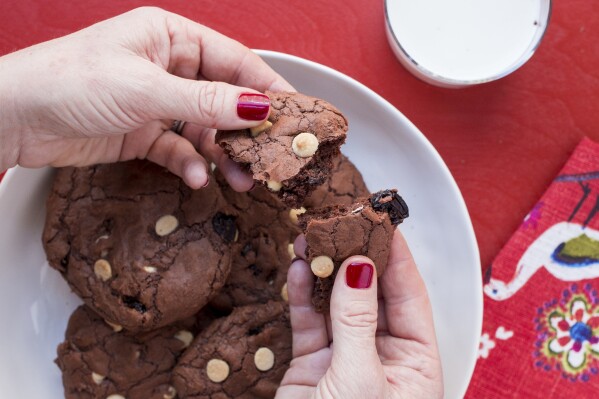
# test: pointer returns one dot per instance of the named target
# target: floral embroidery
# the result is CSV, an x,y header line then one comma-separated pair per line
x,y
485,345
568,334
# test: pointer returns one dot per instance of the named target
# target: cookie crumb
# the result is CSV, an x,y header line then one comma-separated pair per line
x,y
166,224
150,269
322,266
217,370
264,359
102,269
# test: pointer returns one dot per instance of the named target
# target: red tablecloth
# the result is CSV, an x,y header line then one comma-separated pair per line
x,y
504,141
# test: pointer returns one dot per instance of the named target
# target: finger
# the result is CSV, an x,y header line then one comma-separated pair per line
x,y
180,157
408,308
353,311
203,139
210,104
195,47
308,327
299,246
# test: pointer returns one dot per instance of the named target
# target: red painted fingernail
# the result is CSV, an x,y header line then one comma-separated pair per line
x,y
253,107
207,182
359,275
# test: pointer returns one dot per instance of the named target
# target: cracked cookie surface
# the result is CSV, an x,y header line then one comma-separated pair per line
x,y
136,244
266,231
365,227
274,156
97,362
242,356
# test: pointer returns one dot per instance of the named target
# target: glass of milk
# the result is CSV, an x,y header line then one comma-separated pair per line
x,y
459,43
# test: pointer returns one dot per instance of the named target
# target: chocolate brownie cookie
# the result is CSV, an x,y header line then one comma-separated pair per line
x,y
342,188
260,262
242,356
291,153
97,362
136,244
335,233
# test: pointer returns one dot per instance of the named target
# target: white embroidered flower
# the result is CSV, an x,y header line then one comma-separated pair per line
x,y
485,345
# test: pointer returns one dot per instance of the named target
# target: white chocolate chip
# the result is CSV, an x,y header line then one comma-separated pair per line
x,y
150,269
115,396
102,269
304,145
256,130
322,266
291,250
212,166
217,370
184,336
115,327
97,378
171,393
103,237
274,185
284,293
264,359
294,213
166,225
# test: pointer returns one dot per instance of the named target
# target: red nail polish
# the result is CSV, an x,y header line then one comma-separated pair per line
x,y
207,182
359,275
253,107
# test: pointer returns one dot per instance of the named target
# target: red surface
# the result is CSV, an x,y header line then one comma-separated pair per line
x,y
503,141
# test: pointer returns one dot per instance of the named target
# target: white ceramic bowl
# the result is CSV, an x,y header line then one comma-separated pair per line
x,y
35,302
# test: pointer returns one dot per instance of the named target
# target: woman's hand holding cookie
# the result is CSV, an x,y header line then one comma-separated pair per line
x,y
379,341
111,92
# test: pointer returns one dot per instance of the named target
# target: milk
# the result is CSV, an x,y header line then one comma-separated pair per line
x,y
466,39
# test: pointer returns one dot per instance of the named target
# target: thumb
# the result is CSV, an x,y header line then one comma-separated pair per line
x,y
354,312
216,105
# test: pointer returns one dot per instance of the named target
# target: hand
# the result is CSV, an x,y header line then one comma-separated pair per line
x,y
111,92
383,349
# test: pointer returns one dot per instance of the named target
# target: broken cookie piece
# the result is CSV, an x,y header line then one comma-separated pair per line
x,y
292,153
335,233
244,355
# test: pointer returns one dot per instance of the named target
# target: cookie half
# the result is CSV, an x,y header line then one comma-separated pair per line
x,y
292,153
335,233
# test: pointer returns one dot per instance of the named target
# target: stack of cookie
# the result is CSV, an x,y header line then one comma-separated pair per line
x,y
185,291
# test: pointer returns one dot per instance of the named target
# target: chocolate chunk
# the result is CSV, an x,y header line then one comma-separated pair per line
x,y
224,226
392,203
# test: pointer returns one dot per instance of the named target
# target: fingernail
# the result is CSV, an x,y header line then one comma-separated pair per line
x,y
359,275
253,107
207,182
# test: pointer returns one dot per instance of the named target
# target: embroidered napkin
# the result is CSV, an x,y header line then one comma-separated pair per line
x,y
540,334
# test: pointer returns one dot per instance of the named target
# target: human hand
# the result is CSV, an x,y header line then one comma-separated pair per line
x,y
378,343
110,93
